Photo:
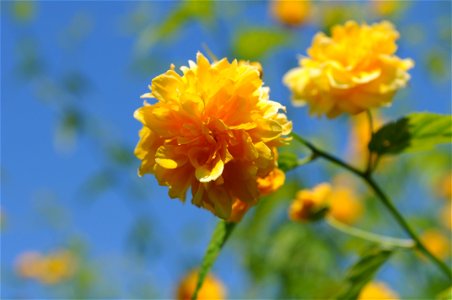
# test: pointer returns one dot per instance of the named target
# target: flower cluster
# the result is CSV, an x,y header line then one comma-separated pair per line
x,y
213,130
353,70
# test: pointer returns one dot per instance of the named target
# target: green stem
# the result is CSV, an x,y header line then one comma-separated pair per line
x,y
317,152
384,199
369,236
369,167
390,206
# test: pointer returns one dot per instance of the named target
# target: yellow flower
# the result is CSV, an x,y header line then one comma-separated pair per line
x,y
212,289
253,64
291,13
212,129
344,205
437,243
353,70
339,202
310,205
377,291
267,185
50,269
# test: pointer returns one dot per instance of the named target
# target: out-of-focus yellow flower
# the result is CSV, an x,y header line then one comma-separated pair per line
x,y
291,13
377,291
213,129
311,204
436,242
353,70
339,202
272,182
50,269
344,205
28,265
212,289
387,8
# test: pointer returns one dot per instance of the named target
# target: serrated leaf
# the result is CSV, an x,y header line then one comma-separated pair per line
x,y
417,131
254,43
219,238
362,272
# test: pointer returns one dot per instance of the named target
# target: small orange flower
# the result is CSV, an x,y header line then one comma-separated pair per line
x,y
339,202
437,243
212,289
344,205
333,79
213,130
291,13
309,205
377,290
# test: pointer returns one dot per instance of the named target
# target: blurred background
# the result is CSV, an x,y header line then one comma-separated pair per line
x,y
71,77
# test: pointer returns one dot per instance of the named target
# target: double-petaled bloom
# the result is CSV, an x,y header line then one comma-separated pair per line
x,y
353,70
212,130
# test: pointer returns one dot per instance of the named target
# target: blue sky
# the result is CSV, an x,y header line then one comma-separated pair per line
x,y
38,177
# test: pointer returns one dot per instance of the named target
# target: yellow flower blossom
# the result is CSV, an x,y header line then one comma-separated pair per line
x,y
377,291
212,289
339,202
50,269
437,243
308,204
291,13
353,70
267,185
212,129
253,64
344,205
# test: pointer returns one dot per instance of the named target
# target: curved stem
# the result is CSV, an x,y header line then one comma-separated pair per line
x,y
369,236
317,152
383,198
390,206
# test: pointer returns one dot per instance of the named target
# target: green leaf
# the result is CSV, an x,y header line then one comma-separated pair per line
x,y
417,131
362,272
287,161
254,43
219,238
184,13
